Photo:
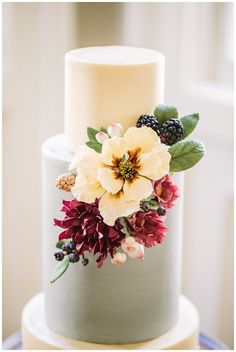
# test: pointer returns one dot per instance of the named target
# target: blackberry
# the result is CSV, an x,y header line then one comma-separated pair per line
x,y
73,257
85,261
59,256
149,121
161,211
171,131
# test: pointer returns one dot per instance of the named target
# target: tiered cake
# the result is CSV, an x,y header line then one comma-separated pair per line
x,y
109,305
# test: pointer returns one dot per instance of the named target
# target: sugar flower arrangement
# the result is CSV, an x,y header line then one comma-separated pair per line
x,y
122,188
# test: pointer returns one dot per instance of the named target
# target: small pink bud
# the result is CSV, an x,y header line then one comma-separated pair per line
x,y
139,253
115,130
129,245
101,137
132,248
118,259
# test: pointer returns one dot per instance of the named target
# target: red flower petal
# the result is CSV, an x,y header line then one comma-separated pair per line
x,y
84,224
148,228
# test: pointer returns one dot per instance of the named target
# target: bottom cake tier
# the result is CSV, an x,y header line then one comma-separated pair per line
x,y
37,336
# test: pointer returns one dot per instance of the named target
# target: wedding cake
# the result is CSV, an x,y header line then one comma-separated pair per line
x,y
117,173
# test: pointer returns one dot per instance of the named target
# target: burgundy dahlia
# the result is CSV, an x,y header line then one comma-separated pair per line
x,y
84,225
166,191
148,228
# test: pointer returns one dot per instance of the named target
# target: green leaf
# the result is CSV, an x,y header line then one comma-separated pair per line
x,y
59,270
185,154
149,198
61,243
189,123
95,145
103,129
164,112
126,229
91,132
153,205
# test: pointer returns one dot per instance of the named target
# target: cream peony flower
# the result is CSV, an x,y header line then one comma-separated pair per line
x,y
121,176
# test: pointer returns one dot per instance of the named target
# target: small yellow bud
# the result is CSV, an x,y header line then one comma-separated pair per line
x,y
65,182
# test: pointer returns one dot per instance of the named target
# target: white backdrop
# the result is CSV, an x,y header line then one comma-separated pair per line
x,y
197,41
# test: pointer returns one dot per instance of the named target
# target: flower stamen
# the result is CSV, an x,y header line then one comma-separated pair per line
x,y
126,169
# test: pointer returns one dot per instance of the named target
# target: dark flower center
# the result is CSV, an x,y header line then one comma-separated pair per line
x,y
126,169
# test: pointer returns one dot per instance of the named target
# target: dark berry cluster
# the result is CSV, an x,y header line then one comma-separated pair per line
x,y
149,121
171,132
69,249
146,206
161,211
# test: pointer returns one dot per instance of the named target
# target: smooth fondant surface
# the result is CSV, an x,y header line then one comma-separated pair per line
x,y
110,84
37,336
136,302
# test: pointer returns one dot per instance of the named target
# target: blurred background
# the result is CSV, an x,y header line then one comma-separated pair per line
x,y
197,40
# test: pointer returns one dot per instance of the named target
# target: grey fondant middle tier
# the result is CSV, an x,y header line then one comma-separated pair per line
x,y
132,303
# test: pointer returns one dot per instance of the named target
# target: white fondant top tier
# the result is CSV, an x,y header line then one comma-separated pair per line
x,y
115,55
110,84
